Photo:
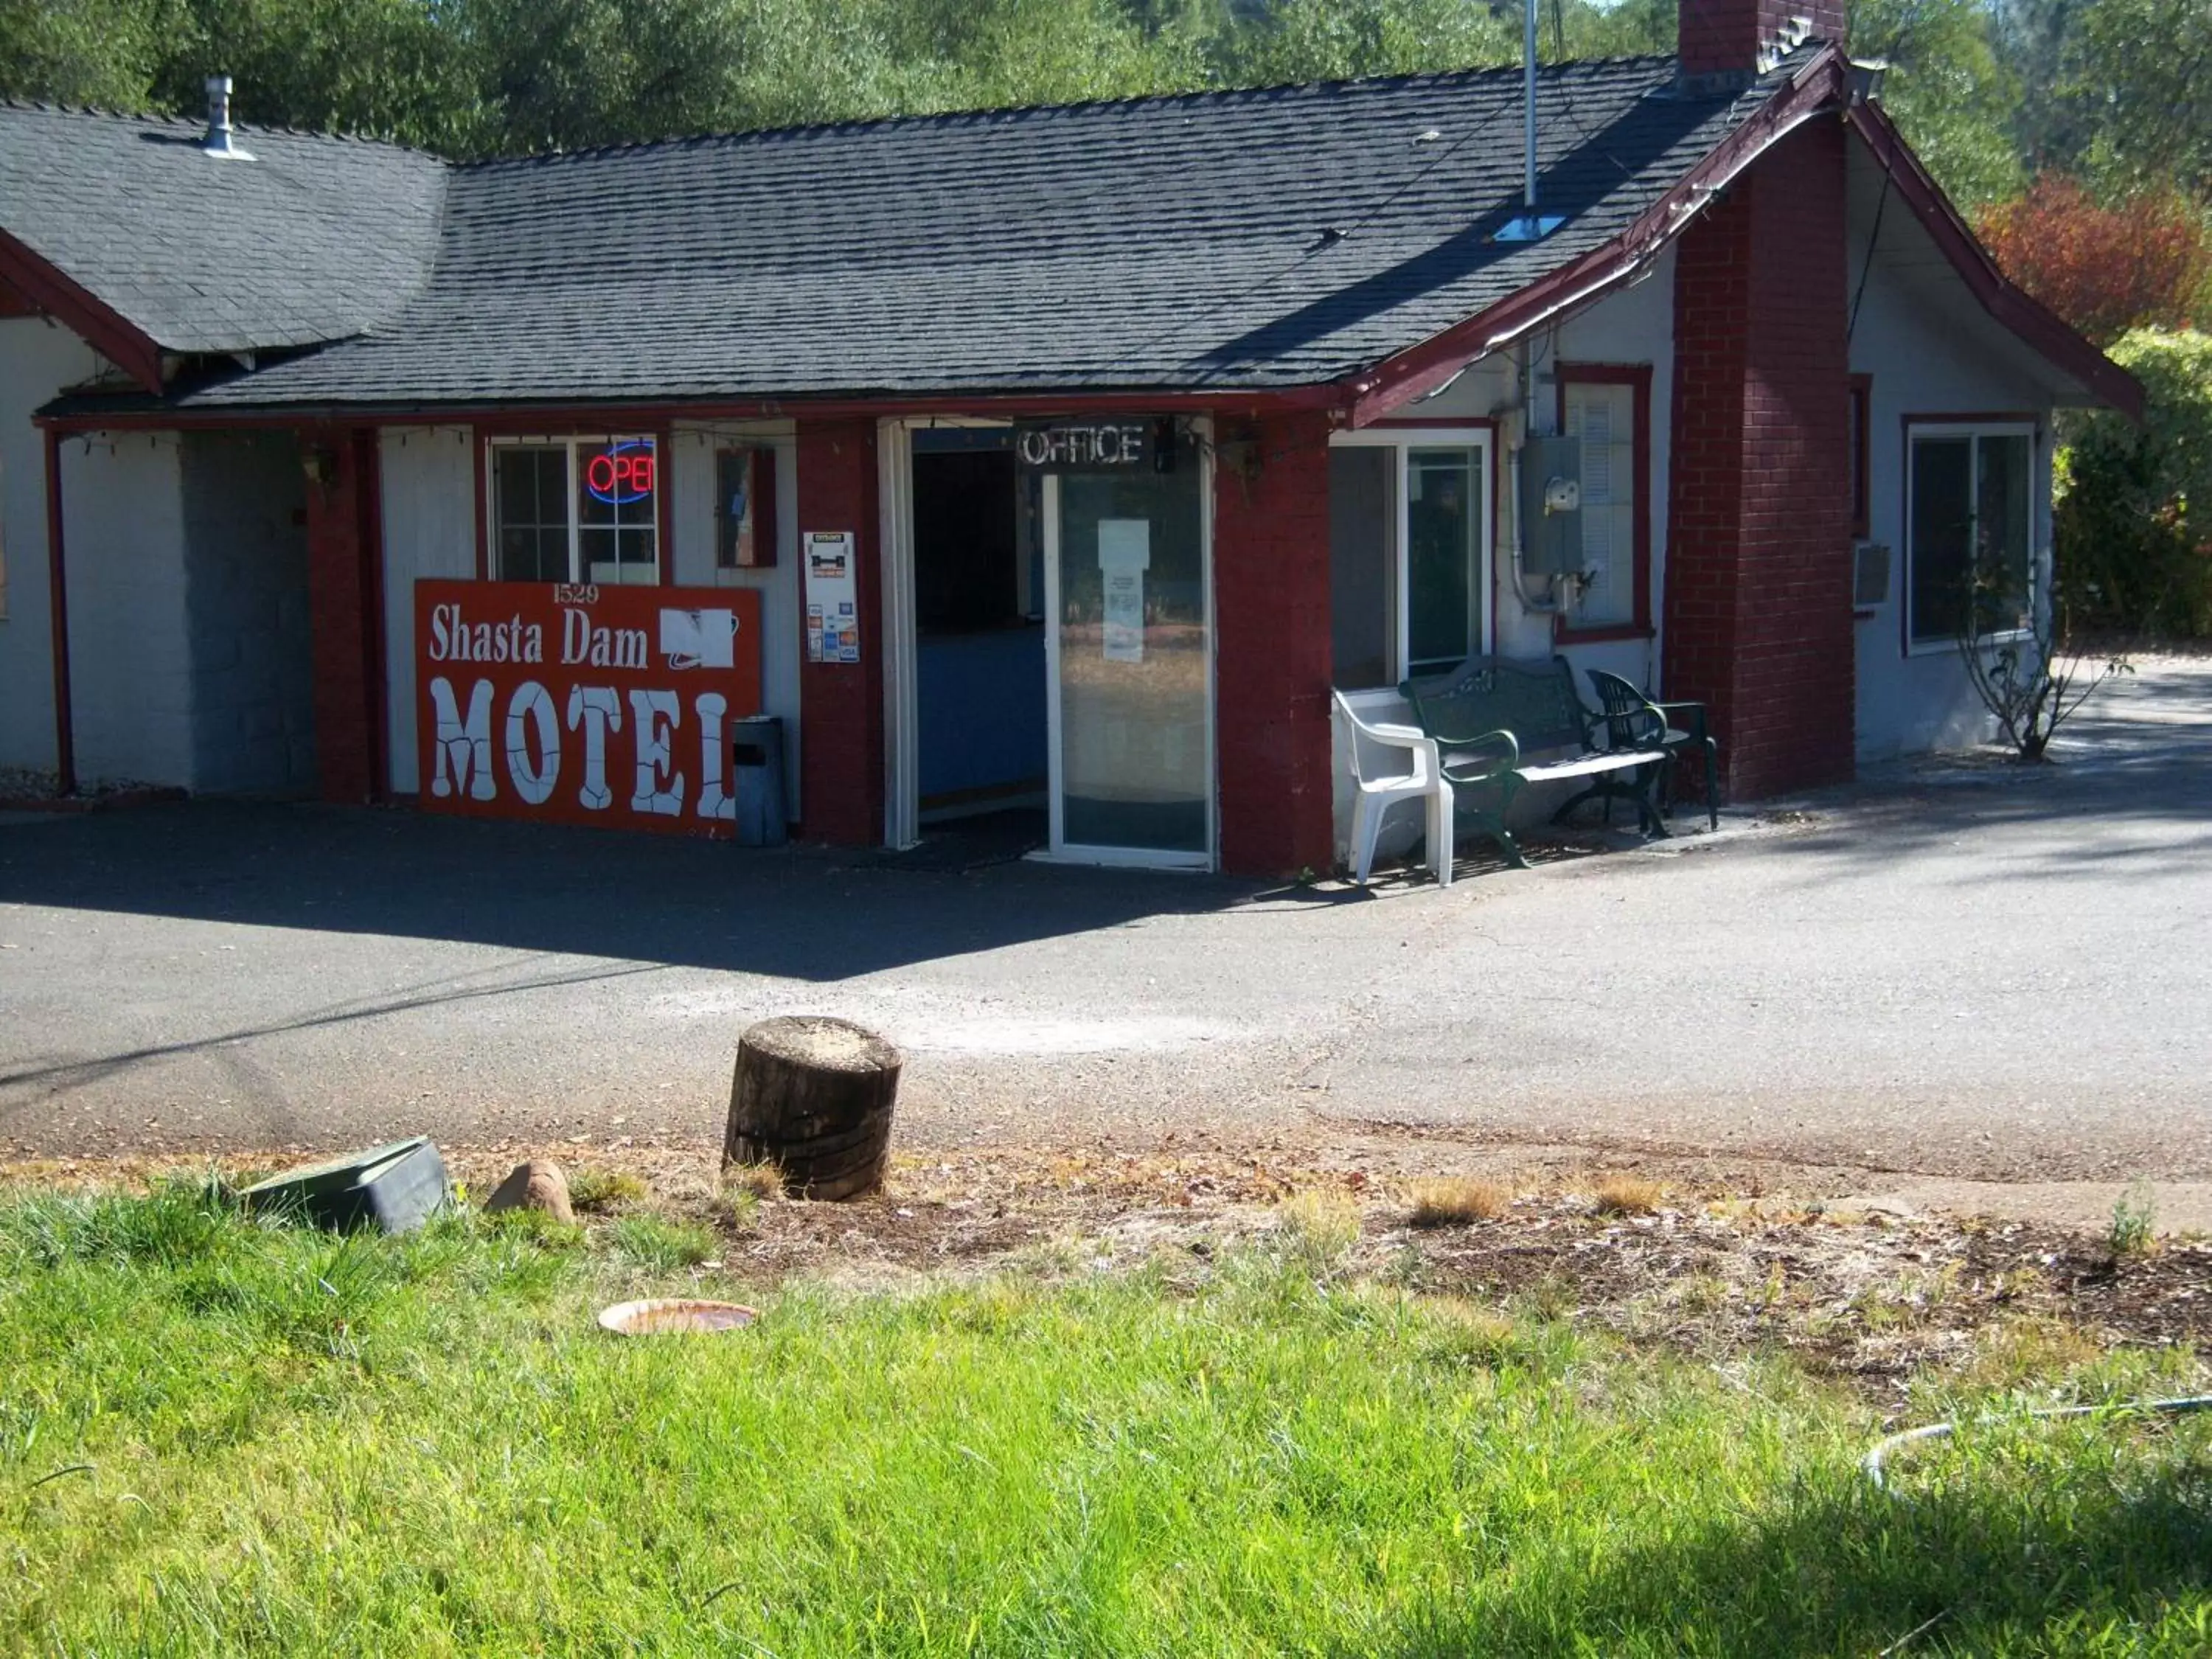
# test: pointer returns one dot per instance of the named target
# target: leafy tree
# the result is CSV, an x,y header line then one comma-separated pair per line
x,y
2145,66
2118,91
2140,262
1947,90
379,68
2133,525
81,52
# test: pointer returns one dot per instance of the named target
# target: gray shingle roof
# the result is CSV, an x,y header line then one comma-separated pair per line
x,y
316,238
1183,242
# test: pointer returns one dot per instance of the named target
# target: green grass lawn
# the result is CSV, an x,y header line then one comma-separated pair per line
x,y
297,1444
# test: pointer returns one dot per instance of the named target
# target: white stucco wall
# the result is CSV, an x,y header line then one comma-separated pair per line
x,y
1633,326
690,469
1928,355
37,360
428,502
131,660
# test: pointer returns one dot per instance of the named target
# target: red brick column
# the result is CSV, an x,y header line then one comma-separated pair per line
x,y
841,752
345,611
1271,603
1758,601
1718,36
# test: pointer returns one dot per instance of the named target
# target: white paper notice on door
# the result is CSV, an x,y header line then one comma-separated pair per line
x,y
1125,553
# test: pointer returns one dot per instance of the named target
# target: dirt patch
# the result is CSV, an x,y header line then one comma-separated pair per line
x,y
1724,1262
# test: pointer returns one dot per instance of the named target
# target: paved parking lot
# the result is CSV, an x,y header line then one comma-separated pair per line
x,y
1982,971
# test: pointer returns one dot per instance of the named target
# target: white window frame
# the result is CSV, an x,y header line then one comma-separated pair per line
x,y
570,442
1404,439
1939,428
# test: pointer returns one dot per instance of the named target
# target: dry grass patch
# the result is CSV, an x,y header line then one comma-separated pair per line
x,y
760,1180
1459,1201
594,1187
1318,1227
1627,1194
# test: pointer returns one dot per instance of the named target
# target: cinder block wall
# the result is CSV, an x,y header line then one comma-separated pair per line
x,y
1272,621
1758,604
246,614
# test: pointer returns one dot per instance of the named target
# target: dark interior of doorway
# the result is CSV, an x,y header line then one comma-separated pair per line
x,y
980,662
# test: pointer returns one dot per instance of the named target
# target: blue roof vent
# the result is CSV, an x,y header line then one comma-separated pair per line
x,y
219,143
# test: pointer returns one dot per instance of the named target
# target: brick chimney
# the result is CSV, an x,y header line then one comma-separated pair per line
x,y
1758,616
1743,37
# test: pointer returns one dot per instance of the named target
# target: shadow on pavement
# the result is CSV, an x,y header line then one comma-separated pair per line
x,y
2127,790
799,912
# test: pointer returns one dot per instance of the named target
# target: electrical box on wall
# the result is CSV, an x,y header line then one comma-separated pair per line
x,y
744,508
1552,507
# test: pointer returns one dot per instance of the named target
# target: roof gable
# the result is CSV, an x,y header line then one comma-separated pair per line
x,y
314,240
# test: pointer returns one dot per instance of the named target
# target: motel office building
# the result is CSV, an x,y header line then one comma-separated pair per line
x,y
1067,457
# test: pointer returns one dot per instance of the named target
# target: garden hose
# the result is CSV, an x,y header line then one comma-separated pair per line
x,y
1876,1461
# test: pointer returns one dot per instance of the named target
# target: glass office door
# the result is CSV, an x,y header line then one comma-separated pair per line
x,y
1132,763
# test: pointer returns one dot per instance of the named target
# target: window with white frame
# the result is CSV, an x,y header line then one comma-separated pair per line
x,y
1408,538
575,510
1970,528
1603,409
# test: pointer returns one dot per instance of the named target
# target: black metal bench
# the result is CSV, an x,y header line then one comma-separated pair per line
x,y
1490,712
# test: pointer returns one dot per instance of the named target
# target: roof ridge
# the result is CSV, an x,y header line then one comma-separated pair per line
x,y
983,113
194,123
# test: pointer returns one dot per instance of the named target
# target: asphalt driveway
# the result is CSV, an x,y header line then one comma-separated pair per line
x,y
1977,970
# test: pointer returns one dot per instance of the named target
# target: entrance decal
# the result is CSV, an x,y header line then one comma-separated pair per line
x,y
580,704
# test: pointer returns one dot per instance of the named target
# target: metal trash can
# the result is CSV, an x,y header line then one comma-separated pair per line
x,y
756,780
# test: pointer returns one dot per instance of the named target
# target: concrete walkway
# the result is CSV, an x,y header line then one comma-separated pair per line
x,y
1969,972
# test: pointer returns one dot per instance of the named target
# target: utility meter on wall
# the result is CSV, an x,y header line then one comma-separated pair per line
x,y
1552,507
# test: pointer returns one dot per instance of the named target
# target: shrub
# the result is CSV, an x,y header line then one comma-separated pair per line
x,y
2142,262
2132,528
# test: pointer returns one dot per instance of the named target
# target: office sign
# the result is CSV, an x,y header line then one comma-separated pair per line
x,y
1085,445
581,704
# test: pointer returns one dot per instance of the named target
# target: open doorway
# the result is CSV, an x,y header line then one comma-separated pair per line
x,y
982,749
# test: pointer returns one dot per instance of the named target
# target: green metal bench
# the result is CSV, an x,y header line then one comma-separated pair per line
x,y
1489,712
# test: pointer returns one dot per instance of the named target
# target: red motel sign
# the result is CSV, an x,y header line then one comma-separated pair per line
x,y
584,705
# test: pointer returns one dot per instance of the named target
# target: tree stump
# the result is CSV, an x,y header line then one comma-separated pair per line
x,y
813,1096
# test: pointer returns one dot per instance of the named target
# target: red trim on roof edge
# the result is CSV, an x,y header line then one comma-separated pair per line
x,y
1821,84
2011,306
521,417
104,328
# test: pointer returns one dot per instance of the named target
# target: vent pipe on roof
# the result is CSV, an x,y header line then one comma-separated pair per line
x,y
218,142
1531,226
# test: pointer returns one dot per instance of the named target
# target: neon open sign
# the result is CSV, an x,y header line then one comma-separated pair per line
x,y
621,473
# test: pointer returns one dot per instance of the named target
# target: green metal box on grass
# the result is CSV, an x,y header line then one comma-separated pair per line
x,y
392,1188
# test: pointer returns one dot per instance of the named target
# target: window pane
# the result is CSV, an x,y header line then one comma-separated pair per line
x,y
529,490
617,485
1443,621
2001,531
598,547
1942,535
1604,418
1362,564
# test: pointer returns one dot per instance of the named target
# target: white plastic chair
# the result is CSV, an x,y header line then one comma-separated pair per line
x,y
1391,764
